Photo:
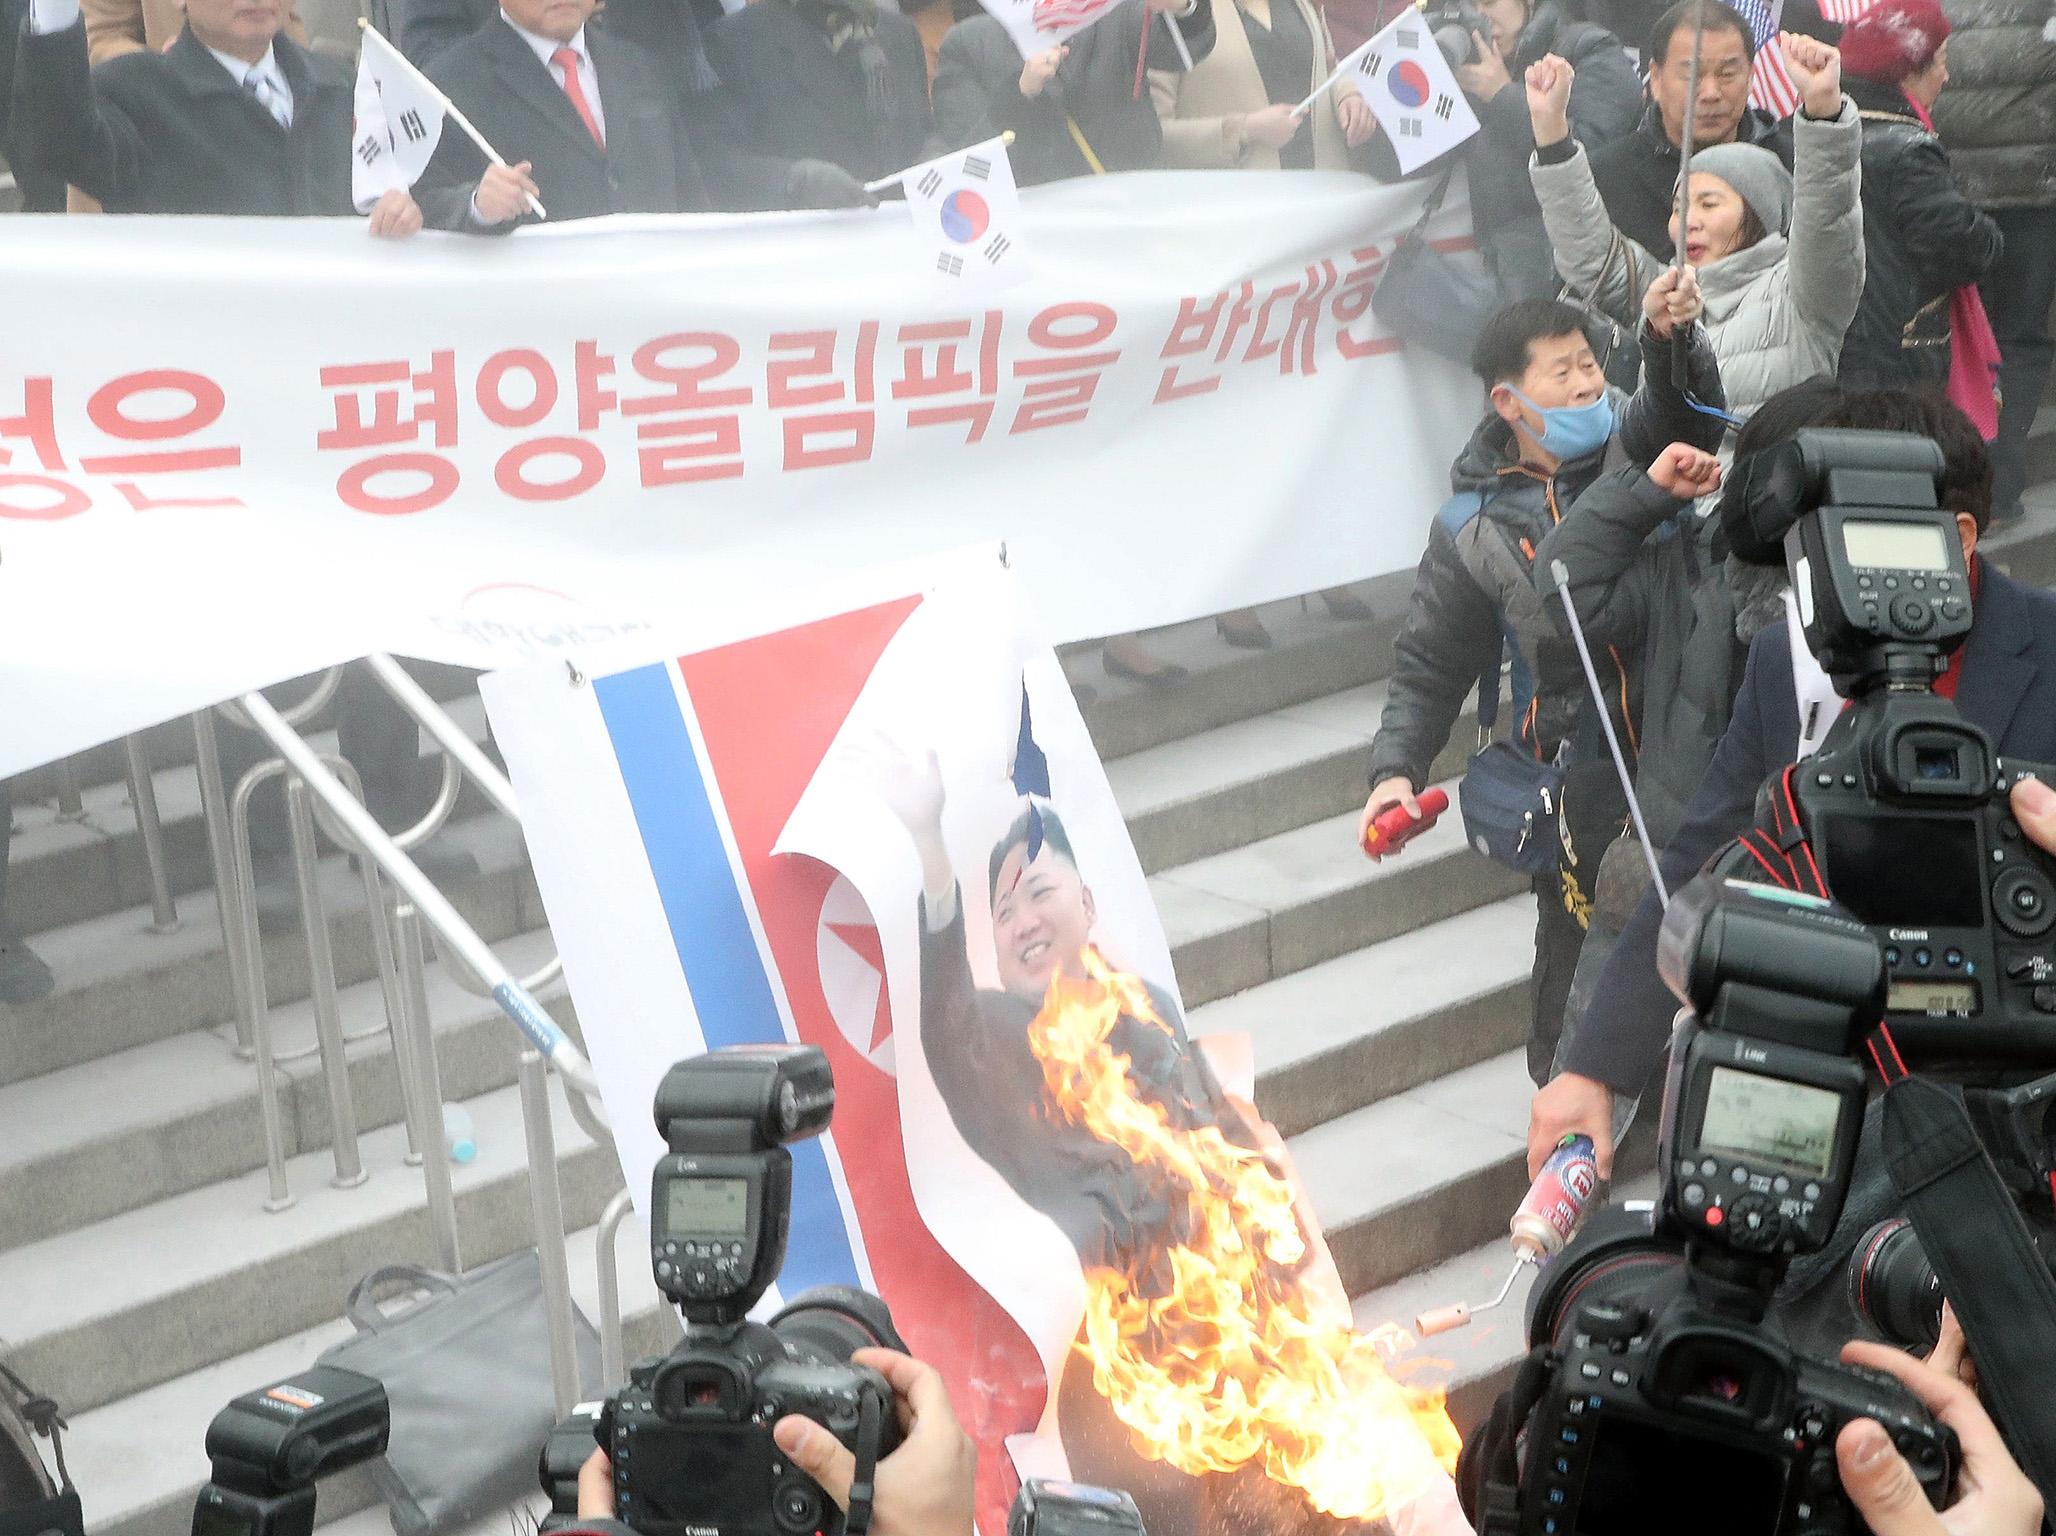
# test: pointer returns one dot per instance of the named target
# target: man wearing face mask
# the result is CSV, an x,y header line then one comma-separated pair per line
x,y
1553,427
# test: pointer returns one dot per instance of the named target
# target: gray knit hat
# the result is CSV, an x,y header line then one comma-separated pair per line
x,y
1758,178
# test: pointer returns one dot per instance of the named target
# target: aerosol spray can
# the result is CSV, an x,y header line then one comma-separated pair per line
x,y
1542,1224
1556,1201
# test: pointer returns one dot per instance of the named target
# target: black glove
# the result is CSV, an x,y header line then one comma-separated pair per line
x,y
823,184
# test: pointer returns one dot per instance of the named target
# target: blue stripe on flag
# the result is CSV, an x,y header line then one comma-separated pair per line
x,y
724,968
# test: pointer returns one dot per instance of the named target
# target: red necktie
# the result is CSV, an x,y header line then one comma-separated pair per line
x,y
566,59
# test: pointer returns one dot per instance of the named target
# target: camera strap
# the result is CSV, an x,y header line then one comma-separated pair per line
x,y
863,1487
1989,1266
1488,1471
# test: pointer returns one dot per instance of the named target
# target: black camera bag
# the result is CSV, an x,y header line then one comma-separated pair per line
x,y
32,1503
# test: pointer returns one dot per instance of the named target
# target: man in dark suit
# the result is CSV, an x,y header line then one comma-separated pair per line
x,y
233,118
839,80
598,126
2006,684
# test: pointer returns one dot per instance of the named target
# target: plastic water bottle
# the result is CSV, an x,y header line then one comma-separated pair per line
x,y
458,1139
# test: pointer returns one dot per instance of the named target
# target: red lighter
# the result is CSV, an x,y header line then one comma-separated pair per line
x,y
1395,828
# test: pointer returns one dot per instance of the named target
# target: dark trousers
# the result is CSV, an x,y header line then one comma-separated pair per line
x,y
2018,293
1558,938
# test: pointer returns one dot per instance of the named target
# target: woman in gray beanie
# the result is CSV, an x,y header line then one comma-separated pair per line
x,y
1779,258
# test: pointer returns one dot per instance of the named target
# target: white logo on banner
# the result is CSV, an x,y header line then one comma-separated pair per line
x,y
852,965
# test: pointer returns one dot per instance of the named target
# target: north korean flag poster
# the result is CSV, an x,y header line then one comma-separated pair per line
x,y
884,831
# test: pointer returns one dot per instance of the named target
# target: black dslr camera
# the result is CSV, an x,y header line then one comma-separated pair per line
x,y
268,1447
1661,1395
690,1435
1904,806
1452,23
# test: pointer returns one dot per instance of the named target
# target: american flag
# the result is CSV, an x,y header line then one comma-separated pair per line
x,y
1770,87
1844,11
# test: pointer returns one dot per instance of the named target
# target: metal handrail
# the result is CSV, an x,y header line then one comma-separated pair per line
x,y
613,1348
460,749
457,939
330,1042
230,892
142,790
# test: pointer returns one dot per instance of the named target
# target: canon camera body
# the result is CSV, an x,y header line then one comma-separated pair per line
x,y
1661,1393
690,1434
1904,806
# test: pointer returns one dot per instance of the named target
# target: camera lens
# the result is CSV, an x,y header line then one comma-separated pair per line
x,y
1893,1288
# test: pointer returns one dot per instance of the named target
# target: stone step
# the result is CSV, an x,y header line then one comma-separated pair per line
x,y
1238,919
90,1141
110,1309
1311,655
67,868
119,987
140,1461
1416,1178
1220,789
1385,1019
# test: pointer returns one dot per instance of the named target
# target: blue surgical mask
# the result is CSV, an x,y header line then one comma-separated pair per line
x,y
1572,431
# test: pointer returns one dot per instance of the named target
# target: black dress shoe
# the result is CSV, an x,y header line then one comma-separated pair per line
x,y
1346,605
1245,631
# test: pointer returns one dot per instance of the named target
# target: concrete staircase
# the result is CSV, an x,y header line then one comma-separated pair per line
x,y
146,1284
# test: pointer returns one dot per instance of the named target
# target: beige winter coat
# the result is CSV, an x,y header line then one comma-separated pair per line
x,y
1776,313
1196,105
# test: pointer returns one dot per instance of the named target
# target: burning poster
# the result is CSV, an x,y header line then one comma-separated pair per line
x,y
1143,1226
884,831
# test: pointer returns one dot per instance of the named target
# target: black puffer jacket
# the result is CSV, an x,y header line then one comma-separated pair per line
x,y
1475,589
1922,240
1650,579
1605,99
1637,174
1998,114
977,92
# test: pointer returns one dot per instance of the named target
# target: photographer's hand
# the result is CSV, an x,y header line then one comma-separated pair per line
x,y
2034,806
1994,1497
596,1488
928,1487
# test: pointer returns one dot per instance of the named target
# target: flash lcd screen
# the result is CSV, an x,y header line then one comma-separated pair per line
x,y
717,1207
1896,546
1767,1117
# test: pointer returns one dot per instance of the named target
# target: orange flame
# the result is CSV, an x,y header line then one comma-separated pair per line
x,y
1211,1349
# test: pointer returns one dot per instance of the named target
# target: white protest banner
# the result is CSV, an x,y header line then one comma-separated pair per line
x,y
281,443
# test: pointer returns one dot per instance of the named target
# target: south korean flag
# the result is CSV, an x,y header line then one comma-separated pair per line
x,y
398,123
967,217
1408,86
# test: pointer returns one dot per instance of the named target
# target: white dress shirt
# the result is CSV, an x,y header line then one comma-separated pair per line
x,y
47,16
546,46
277,96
